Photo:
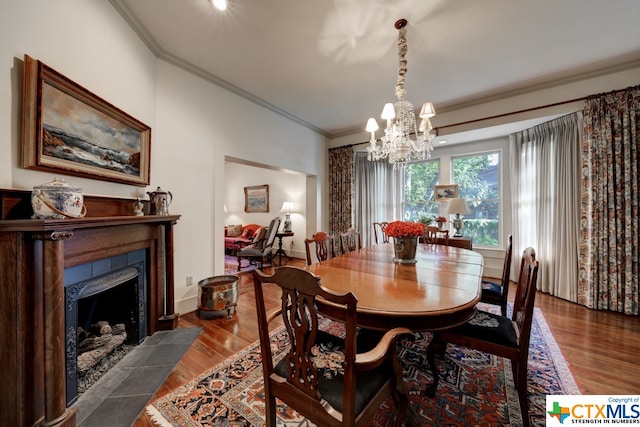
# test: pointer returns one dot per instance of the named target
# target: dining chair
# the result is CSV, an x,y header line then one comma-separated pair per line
x,y
497,334
432,234
324,245
350,241
259,252
378,232
322,375
497,293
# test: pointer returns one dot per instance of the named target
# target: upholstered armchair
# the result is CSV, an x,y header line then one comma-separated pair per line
x,y
259,252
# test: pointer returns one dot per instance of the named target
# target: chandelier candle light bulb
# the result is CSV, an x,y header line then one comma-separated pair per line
x,y
396,143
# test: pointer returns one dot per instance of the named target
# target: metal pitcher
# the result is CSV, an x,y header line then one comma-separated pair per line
x,y
160,201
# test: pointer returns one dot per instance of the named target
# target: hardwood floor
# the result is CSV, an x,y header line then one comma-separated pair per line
x,y
601,347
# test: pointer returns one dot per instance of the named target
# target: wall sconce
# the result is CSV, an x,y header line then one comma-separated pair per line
x,y
287,210
457,207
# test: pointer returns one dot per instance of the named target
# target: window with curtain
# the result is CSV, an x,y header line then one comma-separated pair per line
x,y
419,180
376,195
478,178
545,179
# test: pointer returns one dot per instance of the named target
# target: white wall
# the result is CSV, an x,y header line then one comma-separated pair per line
x,y
195,124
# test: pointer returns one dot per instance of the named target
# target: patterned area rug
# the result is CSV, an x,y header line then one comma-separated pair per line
x,y
231,265
475,388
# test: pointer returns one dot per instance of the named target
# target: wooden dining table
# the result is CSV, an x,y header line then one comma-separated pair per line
x,y
439,291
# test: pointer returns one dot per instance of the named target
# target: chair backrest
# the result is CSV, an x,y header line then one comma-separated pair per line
x,y
324,247
350,241
432,233
378,232
299,311
506,267
270,236
524,300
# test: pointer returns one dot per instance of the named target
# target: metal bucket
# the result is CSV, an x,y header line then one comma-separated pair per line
x,y
218,293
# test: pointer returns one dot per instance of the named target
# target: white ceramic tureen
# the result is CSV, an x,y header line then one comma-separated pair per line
x,y
57,199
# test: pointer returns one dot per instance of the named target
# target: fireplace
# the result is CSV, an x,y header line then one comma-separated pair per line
x,y
39,257
105,304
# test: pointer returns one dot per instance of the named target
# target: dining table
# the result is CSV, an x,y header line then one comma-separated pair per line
x,y
439,291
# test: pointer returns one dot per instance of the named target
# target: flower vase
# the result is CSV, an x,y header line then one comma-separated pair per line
x,y
441,225
405,249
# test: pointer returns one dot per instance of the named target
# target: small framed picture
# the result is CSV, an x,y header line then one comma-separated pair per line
x,y
256,198
444,192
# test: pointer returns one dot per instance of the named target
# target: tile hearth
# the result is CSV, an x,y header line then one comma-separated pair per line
x,y
122,393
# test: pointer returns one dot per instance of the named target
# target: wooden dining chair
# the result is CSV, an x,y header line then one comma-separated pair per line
x,y
432,234
497,293
378,232
324,245
350,241
497,334
322,375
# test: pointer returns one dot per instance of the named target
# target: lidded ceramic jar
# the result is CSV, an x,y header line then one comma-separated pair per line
x,y
57,199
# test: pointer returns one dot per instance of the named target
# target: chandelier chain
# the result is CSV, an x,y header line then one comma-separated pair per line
x,y
402,63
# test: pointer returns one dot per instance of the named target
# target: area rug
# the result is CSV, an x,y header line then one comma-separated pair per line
x,y
475,388
231,265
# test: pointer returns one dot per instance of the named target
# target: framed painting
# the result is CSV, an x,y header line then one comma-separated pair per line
x,y
67,129
444,192
256,198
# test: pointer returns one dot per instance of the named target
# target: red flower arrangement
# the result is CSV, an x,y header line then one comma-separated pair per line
x,y
404,229
440,218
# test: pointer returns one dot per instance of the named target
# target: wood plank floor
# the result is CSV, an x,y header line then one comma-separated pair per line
x,y
601,348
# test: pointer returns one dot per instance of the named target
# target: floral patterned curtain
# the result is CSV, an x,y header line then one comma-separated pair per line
x,y
609,232
340,189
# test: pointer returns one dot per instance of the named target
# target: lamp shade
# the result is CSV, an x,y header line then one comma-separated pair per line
x,y
287,207
458,206
372,125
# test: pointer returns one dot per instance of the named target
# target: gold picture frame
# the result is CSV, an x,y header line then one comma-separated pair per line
x,y
256,198
67,129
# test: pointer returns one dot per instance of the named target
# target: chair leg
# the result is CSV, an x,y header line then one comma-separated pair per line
x,y
270,408
400,396
520,379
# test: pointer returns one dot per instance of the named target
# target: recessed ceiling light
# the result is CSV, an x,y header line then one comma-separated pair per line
x,y
220,4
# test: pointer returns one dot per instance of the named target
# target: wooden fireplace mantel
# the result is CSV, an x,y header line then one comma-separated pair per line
x,y
34,254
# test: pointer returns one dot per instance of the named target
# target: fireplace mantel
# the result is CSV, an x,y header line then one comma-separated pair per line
x,y
34,254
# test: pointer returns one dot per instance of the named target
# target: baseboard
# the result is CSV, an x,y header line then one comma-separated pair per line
x,y
186,305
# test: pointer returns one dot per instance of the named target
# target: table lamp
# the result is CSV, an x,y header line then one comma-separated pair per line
x,y
457,207
287,210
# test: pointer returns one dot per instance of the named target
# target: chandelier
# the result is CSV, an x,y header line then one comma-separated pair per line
x,y
396,143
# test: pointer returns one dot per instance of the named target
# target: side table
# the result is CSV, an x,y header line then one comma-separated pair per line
x,y
280,252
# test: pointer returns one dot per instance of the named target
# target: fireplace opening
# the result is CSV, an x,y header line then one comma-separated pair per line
x,y
105,319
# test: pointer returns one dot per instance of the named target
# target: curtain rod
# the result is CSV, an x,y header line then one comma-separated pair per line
x,y
526,110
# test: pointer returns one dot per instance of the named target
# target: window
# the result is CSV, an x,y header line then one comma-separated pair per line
x,y
419,181
478,177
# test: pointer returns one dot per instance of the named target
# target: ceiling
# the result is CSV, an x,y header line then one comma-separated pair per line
x,y
332,64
